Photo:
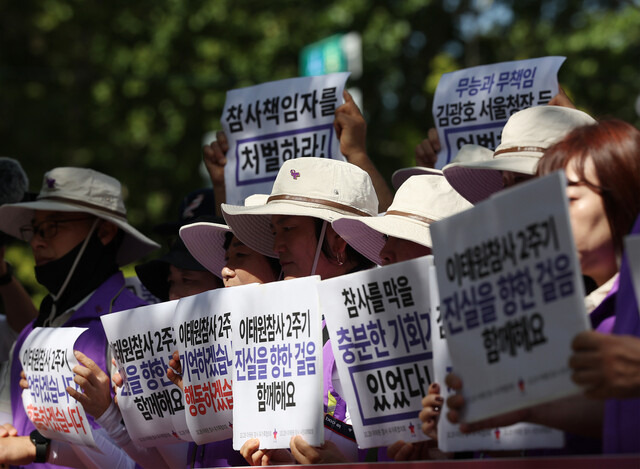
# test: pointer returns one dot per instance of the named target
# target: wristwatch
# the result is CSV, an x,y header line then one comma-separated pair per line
x,y
42,446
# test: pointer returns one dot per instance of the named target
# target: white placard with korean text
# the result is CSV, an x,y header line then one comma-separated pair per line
x,y
632,248
273,122
450,438
142,341
277,348
511,297
203,330
47,359
378,323
472,105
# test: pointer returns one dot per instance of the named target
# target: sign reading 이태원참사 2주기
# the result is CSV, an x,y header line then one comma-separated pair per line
x,y
47,359
277,359
203,330
142,341
378,323
511,297
273,122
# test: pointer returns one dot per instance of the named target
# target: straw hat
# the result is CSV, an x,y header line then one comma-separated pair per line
x,y
401,175
81,190
313,187
205,240
419,202
484,183
525,137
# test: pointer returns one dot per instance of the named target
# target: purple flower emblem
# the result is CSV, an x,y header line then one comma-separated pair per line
x,y
51,183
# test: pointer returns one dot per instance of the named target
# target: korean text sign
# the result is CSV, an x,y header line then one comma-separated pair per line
x,y
47,359
203,330
271,123
142,341
378,323
472,105
450,438
277,347
511,297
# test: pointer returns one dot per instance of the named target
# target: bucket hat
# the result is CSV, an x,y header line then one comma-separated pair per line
x,y
483,183
205,239
312,187
401,175
81,190
154,274
525,137
199,203
420,201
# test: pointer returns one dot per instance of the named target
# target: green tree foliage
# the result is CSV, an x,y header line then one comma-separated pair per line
x,y
130,88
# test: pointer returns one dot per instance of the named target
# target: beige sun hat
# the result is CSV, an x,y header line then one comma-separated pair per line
x,y
525,137
205,240
313,187
420,201
401,175
484,183
81,190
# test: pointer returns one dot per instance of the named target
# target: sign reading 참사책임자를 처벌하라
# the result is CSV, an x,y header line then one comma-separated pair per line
x,y
47,365
273,122
142,341
277,348
450,439
378,323
471,106
203,331
511,297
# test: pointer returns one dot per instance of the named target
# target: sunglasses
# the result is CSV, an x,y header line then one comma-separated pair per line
x,y
46,229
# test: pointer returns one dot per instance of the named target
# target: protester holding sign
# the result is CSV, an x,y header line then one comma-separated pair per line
x,y
308,194
80,236
420,201
601,165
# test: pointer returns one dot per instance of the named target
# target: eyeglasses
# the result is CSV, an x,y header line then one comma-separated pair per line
x,y
46,229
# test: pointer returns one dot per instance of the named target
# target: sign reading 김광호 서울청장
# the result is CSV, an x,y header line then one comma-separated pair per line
x,y
471,106
511,297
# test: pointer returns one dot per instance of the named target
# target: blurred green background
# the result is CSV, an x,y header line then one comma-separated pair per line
x,y
130,88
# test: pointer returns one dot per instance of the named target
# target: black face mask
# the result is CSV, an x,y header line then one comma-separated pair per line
x,y
97,264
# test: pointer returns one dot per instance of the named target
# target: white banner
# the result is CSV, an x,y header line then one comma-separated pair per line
x,y
203,330
271,123
511,297
142,342
378,322
472,105
277,347
47,360
450,439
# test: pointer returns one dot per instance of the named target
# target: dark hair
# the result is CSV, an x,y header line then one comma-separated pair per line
x,y
362,263
614,148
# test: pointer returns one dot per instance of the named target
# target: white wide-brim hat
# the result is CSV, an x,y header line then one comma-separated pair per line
x,y
309,187
525,137
86,191
205,240
420,201
483,183
401,175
